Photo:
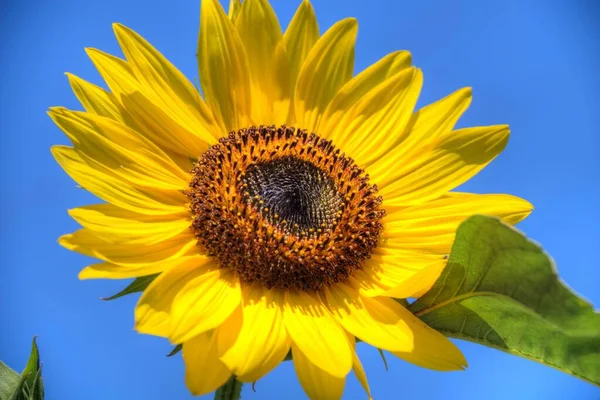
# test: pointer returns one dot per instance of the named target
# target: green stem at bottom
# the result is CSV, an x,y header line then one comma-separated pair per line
x,y
231,390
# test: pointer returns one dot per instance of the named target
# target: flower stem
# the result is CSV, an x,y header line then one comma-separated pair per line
x,y
231,390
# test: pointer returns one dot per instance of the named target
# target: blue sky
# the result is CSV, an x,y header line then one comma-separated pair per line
x,y
532,64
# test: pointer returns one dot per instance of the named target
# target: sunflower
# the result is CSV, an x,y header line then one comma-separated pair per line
x,y
286,208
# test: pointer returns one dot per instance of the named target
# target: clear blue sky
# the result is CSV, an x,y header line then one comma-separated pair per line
x,y
532,64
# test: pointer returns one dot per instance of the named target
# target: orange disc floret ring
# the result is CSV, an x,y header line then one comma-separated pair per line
x,y
284,208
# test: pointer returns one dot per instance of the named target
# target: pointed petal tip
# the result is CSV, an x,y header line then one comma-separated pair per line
x,y
465,93
504,131
57,149
350,24
138,325
122,31
417,73
459,361
353,22
405,54
119,28
85,274
93,53
63,240
463,364
530,207
139,329
306,6
521,204
56,110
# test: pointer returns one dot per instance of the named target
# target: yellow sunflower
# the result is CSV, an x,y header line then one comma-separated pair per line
x,y
286,207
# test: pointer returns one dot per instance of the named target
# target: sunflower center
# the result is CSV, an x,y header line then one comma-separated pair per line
x,y
294,194
283,208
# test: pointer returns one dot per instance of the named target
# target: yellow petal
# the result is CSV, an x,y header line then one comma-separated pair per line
x,y
368,319
317,383
425,126
370,128
442,165
154,308
397,273
263,341
358,368
172,90
95,99
394,267
431,349
106,270
114,190
392,280
203,304
115,71
510,209
143,107
328,66
204,372
259,30
120,149
419,283
429,123
223,68
314,330
300,37
431,227
228,332
85,242
234,9
109,222
354,90
160,127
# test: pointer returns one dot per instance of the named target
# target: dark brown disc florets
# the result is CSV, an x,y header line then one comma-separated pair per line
x,y
284,208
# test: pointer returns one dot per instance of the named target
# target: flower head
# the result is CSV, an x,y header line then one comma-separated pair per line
x,y
284,210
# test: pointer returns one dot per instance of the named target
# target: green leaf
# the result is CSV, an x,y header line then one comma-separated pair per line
x,y
175,350
33,364
10,381
231,390
37,391
33,385
19,392
404,302
501,290
28,385
138,285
